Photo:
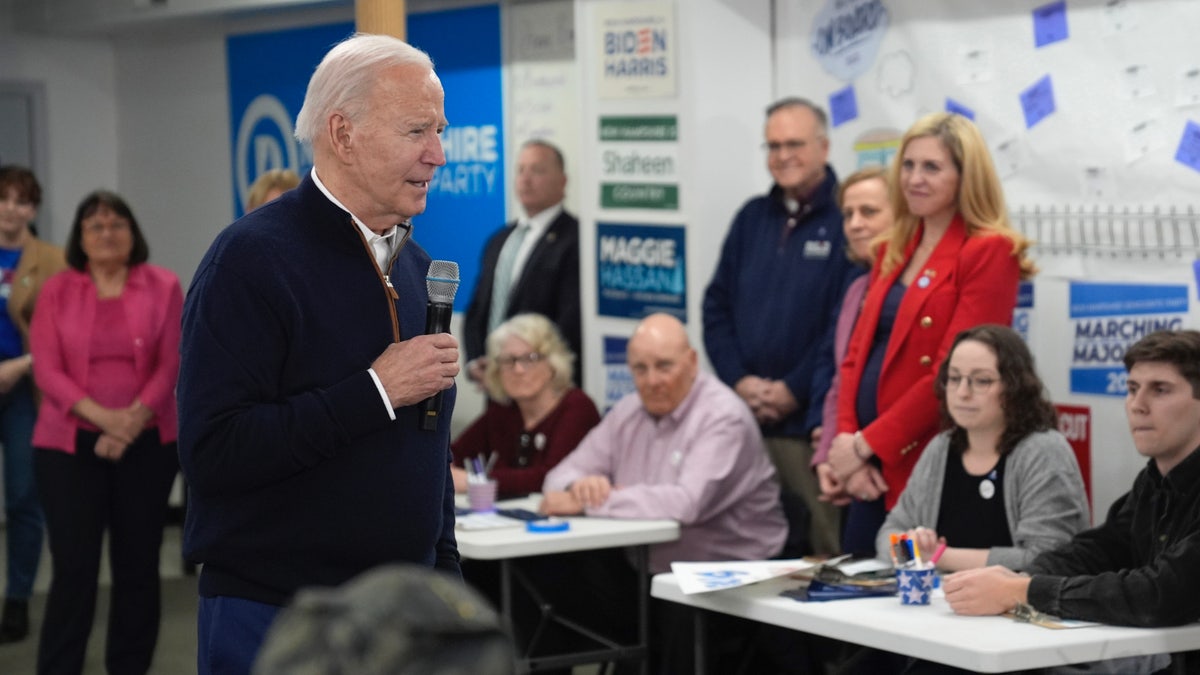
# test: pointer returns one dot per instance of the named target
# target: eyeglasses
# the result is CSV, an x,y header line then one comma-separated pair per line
x,y
981,384
793,145
529,360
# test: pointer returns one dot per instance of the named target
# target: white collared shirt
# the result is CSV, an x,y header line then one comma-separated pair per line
x,y
538,225
382,246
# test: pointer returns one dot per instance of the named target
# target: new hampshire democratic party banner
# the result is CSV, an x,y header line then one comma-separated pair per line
x,y
268,75
640,270
1108,319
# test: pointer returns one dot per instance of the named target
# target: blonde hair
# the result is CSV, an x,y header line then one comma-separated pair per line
x,y
980,198
874,172
275,179
543,336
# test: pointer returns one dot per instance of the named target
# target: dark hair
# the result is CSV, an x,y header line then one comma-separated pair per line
x,y
103,199
1023,398
22,181
542,143
1180,348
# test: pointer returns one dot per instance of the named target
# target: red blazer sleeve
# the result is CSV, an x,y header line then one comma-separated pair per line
x,y
987,276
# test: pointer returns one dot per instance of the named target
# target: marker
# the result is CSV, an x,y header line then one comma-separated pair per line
x,y
893,538
938,553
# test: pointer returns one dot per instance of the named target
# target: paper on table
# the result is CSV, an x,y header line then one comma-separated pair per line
x,y
865,565
701,577
486,521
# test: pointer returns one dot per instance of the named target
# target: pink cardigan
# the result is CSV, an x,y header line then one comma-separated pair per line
x,y
60,343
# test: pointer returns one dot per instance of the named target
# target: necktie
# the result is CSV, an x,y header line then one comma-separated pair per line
x,y
502,283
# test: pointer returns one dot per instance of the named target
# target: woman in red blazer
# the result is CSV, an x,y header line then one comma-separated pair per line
x,y
952,261
105,344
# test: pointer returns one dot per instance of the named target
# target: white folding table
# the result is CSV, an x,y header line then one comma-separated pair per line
x,y
584,534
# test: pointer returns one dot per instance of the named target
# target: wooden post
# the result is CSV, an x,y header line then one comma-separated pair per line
x,y
382,17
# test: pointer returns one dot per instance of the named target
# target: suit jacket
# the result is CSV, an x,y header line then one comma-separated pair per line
x,y
972,281
548,285
61,342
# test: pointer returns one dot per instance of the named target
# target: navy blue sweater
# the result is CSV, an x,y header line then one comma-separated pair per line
x,y
772,304
297,475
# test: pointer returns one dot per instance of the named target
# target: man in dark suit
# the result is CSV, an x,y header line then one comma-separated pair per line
x,y
531,264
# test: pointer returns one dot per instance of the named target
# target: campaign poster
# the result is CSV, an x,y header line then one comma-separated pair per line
x,y
466,196
1107,318
1075,423
641,270
846,36
1020,320
618,380
639,162
265,95
638,50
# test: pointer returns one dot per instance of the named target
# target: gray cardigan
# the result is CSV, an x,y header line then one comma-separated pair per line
x,y
1044,498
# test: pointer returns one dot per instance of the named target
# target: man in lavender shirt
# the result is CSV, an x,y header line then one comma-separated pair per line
x,y
685,448
682,448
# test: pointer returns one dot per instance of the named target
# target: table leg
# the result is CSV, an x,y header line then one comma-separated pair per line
x,y
699,652
506,612
643,568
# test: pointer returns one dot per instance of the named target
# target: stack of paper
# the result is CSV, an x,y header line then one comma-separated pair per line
x,y
702,577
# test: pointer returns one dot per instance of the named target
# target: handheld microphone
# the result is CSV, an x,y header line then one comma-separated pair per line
x,y
441,283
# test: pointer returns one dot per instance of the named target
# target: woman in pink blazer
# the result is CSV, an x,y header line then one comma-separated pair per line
x,y
105,345
952,262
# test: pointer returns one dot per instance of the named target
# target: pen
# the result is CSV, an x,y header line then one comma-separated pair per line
x,y
491,462
902,551
938,553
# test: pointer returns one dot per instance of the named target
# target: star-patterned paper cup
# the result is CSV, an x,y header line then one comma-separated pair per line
x,y
915,585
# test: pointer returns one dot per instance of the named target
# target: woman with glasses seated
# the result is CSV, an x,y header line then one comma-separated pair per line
x,y
1000,484
535,416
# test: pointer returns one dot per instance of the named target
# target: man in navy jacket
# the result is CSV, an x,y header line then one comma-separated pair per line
x,y
303,363
770,309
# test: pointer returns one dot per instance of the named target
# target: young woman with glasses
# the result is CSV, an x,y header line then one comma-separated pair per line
x,y
1000,484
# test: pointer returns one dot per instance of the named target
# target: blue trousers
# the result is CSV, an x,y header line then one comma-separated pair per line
x,y
21,504
230,633
863,520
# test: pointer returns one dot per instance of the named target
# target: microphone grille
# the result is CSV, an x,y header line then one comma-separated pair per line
x,y
442,281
